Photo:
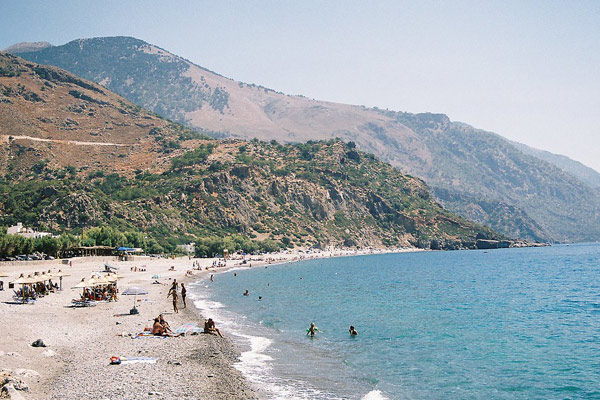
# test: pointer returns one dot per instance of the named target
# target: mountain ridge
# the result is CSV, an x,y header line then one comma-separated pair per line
x,y
449,156
76,156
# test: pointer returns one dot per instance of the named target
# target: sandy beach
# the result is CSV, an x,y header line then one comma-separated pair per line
x,y
81,341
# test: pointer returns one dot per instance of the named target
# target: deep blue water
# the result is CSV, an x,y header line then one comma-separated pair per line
x,y
502,324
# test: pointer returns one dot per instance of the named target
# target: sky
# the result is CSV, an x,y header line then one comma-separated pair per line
x,y
527,70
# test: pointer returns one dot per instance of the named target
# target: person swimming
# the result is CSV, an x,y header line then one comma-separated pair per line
x,y
246,293
352,331
312,330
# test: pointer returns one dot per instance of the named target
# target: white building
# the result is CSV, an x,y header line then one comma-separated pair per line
x,y
187,248
19,229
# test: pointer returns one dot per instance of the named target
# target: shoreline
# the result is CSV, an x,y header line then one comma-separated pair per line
x,y
81,341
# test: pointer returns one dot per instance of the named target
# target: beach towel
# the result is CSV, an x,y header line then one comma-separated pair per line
x,y
145,335
132,360
189,328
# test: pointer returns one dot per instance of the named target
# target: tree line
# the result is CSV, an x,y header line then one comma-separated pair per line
x,y
63,245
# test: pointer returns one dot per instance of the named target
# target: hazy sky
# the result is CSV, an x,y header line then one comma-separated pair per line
x,y
528,70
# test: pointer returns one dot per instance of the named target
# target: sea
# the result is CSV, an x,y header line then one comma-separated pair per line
x,y
498,324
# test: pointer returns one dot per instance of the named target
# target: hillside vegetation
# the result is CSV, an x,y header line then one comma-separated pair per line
x,y
147,182
473,172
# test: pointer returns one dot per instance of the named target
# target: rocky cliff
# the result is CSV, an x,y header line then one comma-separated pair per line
x,y
75,155
549,203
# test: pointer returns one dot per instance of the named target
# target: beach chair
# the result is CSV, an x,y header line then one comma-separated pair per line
x,y
83,303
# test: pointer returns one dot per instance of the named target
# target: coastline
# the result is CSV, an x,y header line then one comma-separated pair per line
x,y
81,341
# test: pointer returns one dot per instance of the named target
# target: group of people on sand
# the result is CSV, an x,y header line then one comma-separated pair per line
x,y
36,290
162,327
136,269
173,292
106,293
312,330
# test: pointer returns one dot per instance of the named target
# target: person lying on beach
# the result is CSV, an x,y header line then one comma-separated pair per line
x,y
209,327
352,331
312,330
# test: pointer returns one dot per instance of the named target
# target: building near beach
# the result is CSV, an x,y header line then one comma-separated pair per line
x,y
189,248
19,229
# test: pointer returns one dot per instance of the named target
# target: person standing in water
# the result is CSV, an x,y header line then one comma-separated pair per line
x,y
183,293
312,330
212,278
352,331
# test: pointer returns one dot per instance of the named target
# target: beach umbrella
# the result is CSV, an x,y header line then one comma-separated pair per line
x,y
60,275
81,285
134,291
22,280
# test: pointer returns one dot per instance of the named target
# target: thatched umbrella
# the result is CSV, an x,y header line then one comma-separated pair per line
x,y
22,280
60,275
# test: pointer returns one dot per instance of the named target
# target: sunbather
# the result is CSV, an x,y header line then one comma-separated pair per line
x,y
164,323
209,327
158,329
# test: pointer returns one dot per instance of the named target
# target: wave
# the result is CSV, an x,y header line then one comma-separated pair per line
x,y
255,364
374,395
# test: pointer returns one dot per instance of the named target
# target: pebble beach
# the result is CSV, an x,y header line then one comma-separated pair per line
x,y
75,364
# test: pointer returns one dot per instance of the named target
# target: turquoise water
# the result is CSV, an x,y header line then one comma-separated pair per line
x,y
503,324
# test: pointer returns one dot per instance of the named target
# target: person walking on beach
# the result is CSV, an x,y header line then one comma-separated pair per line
x,y
175,299
312,330
173,287
183,292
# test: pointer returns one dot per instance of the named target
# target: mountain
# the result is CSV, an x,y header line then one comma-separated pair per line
x,y
25,47
74,156
473,172
588,175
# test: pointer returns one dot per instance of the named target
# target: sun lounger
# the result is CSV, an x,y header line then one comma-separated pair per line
x,y
79,303
28,300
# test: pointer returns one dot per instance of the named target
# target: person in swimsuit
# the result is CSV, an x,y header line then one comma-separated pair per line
x,y
352,331
312,330
164,323
175,298
158,329
209,327
173,287
183,293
